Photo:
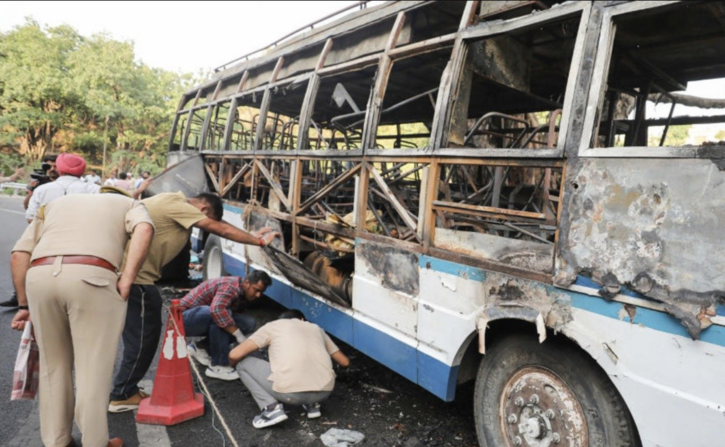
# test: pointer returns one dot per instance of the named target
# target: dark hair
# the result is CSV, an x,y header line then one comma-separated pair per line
x,y
50,158
291,314
122,176
215,202
259,275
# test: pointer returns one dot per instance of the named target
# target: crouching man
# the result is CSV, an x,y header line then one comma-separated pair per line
x,y
212,309
299,371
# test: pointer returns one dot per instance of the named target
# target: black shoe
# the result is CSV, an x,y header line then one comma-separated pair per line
x,y
12,302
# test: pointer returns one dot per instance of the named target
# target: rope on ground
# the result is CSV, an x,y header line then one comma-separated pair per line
x,y
205,390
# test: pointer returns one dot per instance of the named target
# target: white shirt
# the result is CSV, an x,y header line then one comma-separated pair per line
x,y
63,185
90,178
110,182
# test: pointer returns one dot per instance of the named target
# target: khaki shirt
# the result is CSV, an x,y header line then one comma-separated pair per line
x,y
84,224
173,219
299,355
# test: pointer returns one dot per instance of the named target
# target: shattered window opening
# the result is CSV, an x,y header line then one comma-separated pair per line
x,y
656,59
217,127
513,88
339,110
506,213
406,118
282,121
244,127
194,128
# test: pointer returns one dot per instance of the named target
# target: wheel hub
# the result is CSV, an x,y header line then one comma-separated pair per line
x,y
538,409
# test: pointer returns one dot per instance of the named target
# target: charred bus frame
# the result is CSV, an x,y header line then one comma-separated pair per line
x,y
485,169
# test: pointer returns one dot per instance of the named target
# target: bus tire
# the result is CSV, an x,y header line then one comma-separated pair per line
x,y
536,395
213,262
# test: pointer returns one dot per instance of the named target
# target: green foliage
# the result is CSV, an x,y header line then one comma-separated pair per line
x,y
9,162
676,135
60,91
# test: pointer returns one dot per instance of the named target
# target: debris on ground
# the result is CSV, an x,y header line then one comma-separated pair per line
x,y
336,437
376,388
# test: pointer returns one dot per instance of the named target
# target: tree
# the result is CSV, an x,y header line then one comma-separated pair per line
x,y
62,91
35,99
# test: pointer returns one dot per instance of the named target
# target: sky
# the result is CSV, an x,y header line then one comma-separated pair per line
x,y
185,36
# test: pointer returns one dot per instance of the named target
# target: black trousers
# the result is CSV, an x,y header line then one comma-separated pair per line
x,y
140,339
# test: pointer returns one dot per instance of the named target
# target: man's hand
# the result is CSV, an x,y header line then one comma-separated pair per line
x,y
266,235
141,188
241,351
124,288
18,172
19,320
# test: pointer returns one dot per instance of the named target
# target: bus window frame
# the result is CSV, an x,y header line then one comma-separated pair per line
x,y
497,28
187,128
598,84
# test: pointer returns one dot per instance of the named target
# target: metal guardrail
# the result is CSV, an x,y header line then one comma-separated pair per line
x,y
14,185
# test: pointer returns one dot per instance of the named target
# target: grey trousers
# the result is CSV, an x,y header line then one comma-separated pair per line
x,y
254,373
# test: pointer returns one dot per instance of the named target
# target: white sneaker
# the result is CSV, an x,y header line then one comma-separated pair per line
x,y
222,372
199,354
313,410
270,417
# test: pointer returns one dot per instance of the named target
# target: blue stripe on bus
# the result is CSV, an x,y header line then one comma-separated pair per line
x,y
232,209
396,355
452,268
437,377
653,319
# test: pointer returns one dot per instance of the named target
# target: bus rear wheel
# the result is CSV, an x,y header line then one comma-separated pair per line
x,y
539,395
213,263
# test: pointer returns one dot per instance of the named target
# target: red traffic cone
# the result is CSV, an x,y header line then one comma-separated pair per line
x,y
173,399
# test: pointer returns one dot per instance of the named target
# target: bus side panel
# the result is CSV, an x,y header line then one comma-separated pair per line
x,y
658,369
654,225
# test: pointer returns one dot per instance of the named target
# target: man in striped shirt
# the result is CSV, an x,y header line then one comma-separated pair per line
x,y
212,310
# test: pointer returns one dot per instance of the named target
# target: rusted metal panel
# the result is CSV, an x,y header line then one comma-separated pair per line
x,y
651,226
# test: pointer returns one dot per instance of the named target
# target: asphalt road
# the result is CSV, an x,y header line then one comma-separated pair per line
x,y
368,398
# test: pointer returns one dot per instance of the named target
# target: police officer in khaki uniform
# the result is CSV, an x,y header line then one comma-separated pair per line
x,y
64,269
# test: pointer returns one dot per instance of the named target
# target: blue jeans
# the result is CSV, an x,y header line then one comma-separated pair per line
x,y
199,323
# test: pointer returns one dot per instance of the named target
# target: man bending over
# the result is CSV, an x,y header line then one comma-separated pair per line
x,y
299,371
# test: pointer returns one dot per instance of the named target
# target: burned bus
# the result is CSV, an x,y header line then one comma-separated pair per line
x,y
504,192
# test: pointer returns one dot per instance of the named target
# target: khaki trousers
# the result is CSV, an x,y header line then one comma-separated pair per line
x,y
78,317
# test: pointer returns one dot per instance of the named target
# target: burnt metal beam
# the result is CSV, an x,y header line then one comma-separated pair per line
x,y
276,187
402,210
242,172
327,189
